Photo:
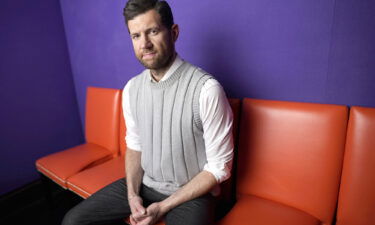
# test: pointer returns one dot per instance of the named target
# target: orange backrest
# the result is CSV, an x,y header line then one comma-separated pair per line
x,y
357,191
236,107
292,153
122,134
102,117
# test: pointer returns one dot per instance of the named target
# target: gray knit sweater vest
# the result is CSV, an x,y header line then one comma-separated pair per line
x,y
167,116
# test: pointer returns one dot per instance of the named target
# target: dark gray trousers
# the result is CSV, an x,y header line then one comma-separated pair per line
x,y
110,205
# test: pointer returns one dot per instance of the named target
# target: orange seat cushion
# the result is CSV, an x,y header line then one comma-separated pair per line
x,y
91,180
62,165
253,210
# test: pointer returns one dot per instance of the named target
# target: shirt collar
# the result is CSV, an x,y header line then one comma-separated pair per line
x,y
176,63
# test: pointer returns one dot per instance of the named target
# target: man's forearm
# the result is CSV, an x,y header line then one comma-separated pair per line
x,y
134,172
199,185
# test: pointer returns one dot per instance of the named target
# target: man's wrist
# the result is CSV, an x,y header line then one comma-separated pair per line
x,y
130,197
132,191
164,206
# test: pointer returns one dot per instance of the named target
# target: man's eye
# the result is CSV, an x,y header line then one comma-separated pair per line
x,y
135,36
154,31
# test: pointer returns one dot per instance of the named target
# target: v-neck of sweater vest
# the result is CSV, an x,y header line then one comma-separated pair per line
x,y
171,80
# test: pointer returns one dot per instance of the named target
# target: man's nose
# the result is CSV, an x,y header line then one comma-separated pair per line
x,y
146,42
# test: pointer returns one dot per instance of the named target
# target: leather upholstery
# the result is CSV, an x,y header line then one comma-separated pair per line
x,y
357,192
291,154
253,210
236,107
102,117
102,124
61,165
122,134
91,180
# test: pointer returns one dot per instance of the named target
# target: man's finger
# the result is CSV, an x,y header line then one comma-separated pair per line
x,y
139,216
140,210
132,221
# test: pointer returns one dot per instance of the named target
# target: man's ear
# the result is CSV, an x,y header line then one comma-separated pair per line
x,y
175,31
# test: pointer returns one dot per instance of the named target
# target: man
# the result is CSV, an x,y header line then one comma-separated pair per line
x,y
178,133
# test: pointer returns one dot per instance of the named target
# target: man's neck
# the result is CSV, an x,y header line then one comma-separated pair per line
x,y
159,73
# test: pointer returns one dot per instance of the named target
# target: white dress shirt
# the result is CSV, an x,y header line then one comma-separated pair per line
x,y
217,119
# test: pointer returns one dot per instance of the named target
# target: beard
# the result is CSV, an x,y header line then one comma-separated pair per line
x,y
159,62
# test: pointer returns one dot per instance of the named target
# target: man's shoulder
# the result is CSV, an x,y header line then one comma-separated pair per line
x,y
208,79
209,82
199,72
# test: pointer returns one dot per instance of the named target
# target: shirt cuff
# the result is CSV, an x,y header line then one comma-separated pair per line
x,y
132,144
221,171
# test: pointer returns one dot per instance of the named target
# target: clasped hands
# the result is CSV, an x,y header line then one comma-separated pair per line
x,y
144,216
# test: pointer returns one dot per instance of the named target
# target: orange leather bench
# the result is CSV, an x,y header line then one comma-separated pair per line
x,y
289,163
102,127
93,179
288,167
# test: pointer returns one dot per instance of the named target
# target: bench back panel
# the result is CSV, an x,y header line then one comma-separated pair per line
x,y
103,117
357,190
292,153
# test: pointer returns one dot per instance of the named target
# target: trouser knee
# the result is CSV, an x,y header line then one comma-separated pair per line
x,y
73,218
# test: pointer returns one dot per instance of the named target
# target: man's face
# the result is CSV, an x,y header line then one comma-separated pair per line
x,y
153,43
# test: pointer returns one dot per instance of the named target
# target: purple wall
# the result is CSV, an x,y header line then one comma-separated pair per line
x,y
313,51
351,71
38,112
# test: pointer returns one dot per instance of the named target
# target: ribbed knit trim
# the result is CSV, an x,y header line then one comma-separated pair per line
x,y
170,81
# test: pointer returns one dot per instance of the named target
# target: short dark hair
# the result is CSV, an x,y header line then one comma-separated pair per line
x,y
134,8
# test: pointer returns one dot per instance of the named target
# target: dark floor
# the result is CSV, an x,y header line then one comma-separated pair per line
x,y
41,202
44,213
30,205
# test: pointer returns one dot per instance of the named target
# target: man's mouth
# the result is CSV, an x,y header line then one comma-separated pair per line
x,y
148,55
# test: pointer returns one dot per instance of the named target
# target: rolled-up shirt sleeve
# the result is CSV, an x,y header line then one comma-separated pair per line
x,y
217,120
132,136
